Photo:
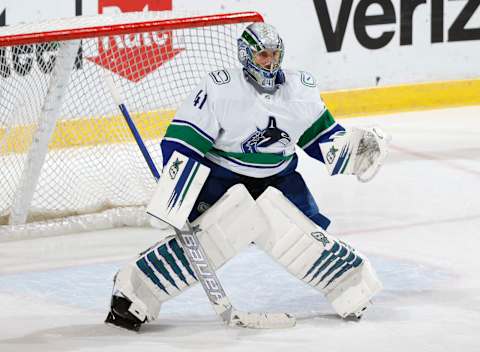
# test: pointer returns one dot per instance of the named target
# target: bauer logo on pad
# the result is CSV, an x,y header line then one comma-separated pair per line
x,y
177,190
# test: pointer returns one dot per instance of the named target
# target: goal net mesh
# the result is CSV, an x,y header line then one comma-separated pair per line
x,y
92,163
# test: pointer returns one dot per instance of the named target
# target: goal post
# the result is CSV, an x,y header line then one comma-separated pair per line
x,y
67,160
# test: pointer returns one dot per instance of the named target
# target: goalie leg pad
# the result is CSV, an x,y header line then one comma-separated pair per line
x,y
352,294
157,274
163,271
307,251
230,225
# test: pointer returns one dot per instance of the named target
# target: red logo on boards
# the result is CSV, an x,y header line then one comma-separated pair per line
x,y
134,56
104,6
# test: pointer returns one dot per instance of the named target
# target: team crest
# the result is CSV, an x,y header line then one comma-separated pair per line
x,y
307,79
220,76
263,138
173,171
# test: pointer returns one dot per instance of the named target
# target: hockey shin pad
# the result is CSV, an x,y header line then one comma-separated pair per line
x,y
163,271
341,273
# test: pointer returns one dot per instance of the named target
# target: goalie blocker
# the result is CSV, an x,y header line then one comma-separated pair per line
x,y
342,274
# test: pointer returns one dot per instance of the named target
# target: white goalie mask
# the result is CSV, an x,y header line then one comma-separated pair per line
x,y
260,51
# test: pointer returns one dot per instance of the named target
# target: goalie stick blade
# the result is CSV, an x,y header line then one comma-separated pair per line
x,y
262,320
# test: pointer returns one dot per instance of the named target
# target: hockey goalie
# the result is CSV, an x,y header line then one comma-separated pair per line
x,y
244,125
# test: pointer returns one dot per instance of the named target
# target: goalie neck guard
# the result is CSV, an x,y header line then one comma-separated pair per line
x,y
260,51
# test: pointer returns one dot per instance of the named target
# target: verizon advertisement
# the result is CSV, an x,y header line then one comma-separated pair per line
x,y
344,43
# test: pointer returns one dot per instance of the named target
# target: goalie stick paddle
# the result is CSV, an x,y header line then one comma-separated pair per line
x,y
197,256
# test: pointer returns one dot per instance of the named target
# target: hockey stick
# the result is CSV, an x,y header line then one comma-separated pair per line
x,y
196,255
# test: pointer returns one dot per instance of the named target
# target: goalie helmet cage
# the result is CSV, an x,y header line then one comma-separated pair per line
x,y
67,160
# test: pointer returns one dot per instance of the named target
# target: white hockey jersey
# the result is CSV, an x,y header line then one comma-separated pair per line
x,y
226,120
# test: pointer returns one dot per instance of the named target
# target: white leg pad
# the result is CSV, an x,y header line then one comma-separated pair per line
x,y
344,275
350,295
130,283
162,271
230,225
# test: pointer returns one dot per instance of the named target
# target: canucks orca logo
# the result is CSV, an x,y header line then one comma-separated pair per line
x,y
263,138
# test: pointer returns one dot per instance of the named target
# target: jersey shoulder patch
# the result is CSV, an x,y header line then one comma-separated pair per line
x,y
220,77
307,79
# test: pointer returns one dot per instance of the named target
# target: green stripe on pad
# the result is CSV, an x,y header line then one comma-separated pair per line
x,y
192,177
160,268
148,271
179,253
165,254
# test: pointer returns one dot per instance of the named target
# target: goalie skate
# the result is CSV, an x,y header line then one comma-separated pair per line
x,y
121,316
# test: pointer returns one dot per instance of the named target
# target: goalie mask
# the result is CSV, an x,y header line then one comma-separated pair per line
x,y
260,51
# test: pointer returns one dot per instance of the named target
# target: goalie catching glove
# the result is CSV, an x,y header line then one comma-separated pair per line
x,y
356,151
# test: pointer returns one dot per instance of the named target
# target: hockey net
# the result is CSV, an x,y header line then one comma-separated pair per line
x,y
68,162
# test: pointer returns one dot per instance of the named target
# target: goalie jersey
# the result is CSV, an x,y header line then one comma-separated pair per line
x,y
227,121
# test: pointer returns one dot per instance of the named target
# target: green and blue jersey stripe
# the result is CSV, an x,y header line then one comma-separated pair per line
x,y
319,128
319,132
193,142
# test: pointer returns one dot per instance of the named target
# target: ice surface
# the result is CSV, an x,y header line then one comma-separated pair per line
x,y
418,221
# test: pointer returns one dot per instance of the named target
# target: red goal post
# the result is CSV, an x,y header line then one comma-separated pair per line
x,y
67,160
62,34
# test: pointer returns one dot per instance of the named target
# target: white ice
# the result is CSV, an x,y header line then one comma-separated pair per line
x,y
418,221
